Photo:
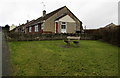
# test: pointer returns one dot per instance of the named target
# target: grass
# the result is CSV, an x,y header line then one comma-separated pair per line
x,y
50,58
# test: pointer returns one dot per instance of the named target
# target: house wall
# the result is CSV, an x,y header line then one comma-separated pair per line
x,y
59,26
70,24
50,22
66,18
33,29
12,27
70,27
49,26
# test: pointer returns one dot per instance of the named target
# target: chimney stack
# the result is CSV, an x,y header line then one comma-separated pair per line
x,y
27,21
44,12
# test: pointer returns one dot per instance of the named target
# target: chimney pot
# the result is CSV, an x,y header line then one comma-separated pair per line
x,y
27,21
44,12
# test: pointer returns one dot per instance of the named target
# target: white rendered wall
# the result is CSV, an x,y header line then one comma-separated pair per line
x,y
66,18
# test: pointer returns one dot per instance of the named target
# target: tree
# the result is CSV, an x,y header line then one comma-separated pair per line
x,y
6,28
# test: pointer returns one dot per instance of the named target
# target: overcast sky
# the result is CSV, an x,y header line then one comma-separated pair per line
x,y
93,13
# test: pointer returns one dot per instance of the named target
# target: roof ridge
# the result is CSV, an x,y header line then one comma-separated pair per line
x,y
57,9
48,15
53,12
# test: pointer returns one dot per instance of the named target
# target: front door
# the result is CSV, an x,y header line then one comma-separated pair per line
x,y
56,27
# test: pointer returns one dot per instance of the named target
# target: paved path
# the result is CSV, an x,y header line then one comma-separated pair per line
x,y
0,53
5,57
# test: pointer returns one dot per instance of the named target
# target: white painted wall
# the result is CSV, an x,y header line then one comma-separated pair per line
x,y
12,27
66,18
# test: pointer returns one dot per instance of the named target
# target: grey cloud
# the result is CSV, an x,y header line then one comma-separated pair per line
x,y
93,13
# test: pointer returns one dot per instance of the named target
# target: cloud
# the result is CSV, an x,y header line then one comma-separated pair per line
x,y
100,14
93,13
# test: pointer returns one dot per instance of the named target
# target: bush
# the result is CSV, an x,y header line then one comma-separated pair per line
x,y
109,34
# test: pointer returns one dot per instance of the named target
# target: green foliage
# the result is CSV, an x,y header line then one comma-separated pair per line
x,y
52,58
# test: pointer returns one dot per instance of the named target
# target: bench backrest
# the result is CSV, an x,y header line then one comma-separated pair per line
x,y
73,38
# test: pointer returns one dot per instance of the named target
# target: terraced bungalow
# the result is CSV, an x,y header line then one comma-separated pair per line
x,y
61,20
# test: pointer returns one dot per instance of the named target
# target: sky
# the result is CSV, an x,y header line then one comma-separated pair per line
x,y
93,13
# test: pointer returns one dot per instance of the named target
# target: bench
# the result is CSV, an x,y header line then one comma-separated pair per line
x,y
71,39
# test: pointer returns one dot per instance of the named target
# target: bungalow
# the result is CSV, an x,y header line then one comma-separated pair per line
x,y
61,20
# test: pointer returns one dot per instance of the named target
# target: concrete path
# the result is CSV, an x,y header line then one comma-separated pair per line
x,y
5,57
0,52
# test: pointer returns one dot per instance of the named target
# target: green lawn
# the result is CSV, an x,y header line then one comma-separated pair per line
x,y
51,58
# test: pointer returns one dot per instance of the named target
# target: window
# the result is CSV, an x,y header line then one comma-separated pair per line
x,y
30,29
36,28
63,25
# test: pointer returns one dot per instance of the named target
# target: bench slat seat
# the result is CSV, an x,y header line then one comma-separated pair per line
x,y
70,39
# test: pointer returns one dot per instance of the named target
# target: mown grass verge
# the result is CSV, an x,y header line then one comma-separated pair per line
x,y
51,58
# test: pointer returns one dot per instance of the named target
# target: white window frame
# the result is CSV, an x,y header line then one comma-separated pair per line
x,y
65,23
30,29
36,28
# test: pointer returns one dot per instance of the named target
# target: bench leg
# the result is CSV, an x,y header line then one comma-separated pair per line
x,y
76,43
68,44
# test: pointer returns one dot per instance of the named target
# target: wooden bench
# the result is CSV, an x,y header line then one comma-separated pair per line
x,y
71,39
